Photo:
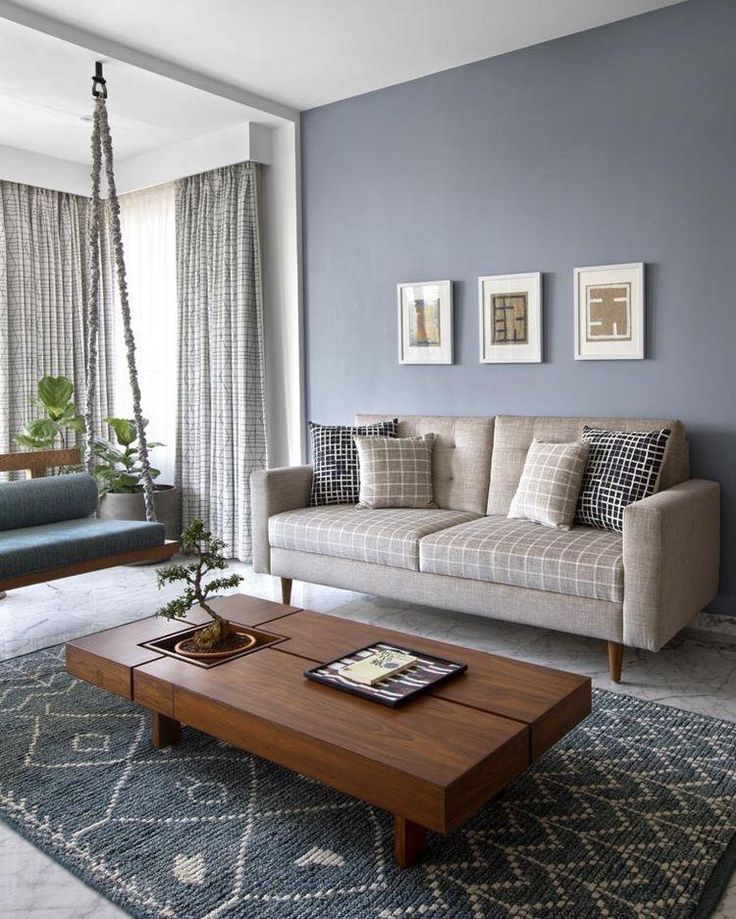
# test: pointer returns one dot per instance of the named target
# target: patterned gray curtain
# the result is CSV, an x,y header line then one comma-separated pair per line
x,y
221,435
43,297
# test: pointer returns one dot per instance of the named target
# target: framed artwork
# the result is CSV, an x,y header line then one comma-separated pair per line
x,y
510,311
425,322
609,313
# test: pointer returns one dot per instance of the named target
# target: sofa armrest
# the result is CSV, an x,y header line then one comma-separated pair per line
x,y
273,491
671,556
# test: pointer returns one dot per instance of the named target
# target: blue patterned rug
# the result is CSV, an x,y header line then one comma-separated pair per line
x,y
632,815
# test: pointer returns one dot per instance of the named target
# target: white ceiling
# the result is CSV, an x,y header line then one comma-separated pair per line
x,y
45,95
309,52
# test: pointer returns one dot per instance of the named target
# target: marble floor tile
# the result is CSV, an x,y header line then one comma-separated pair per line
x,y
696,671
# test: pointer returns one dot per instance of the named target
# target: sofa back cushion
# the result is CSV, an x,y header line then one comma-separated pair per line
x,y
514,435
462,456
34,502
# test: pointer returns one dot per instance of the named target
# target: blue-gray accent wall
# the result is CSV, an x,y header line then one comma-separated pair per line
x,y
613,145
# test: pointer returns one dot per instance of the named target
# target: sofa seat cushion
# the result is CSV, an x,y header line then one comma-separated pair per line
x,y
389,536
583,561
51,545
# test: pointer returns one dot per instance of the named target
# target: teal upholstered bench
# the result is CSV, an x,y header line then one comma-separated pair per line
x,y
48,531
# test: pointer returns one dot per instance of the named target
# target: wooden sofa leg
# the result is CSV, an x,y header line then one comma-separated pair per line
x,y
286,591
615,659
3,595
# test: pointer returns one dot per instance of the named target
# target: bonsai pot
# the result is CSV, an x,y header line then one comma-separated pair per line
x,y
244,641
131,506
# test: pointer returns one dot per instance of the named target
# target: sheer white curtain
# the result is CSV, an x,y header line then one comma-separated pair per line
x,y
149,238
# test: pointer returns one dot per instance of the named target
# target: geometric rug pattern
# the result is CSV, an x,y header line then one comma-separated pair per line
x,y
631,815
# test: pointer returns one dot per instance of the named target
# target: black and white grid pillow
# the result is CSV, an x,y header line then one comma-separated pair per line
x,y
336,477
622,468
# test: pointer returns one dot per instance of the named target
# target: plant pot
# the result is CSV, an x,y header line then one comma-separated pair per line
x,y
215,655
166,502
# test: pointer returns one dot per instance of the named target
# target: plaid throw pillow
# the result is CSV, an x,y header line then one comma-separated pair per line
x,y
336,478
622,468
395,472
550,484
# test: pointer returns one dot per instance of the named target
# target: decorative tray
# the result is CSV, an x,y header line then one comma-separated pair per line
x,y
428,673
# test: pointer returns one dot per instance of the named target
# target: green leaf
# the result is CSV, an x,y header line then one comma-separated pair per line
x,y
125,430
39,434
24,441
107,452
55,392
77,424
126,483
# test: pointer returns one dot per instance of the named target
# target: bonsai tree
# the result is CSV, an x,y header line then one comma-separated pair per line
x,y
208,552
118,468
61,424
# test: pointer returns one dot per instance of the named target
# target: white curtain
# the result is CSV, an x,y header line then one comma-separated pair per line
x,y
149,239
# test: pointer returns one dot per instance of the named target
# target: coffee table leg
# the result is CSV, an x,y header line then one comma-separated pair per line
x,y
410,841
164,730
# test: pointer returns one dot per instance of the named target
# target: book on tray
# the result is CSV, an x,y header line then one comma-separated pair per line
x,y
386,673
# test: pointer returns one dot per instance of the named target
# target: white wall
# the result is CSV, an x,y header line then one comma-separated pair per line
x,y
247,141
43,171
281,235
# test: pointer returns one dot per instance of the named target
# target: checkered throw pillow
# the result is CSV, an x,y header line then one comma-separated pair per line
x,y
550,484
336,477
396,472
623,467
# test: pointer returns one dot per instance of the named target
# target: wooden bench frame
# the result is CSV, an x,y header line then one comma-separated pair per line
x,y
36,465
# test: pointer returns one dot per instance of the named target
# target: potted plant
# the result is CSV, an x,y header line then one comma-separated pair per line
x,y
61,424
220,638
118,471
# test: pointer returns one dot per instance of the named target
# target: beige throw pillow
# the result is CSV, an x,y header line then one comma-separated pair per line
x,y
550,484
395,471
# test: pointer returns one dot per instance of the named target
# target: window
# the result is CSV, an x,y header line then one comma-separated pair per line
x,y
147,222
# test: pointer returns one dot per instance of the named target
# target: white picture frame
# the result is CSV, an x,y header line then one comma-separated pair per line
x,y
425,322
510,318
609,313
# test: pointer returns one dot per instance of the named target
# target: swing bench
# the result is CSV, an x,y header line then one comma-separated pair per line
x,y
48,527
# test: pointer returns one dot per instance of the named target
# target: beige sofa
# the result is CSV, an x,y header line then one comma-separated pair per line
x,y
637,589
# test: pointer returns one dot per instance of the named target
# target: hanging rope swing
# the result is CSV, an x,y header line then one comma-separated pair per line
x,y
102,148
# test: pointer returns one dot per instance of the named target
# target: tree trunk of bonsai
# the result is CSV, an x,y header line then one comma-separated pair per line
x,y
215,634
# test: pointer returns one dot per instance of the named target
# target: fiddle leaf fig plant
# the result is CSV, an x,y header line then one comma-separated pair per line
x,y
119,468
208,555
60,424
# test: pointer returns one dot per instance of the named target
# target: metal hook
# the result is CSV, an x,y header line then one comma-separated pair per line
x,y
99,84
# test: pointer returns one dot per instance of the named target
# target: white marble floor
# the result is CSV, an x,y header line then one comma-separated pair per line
x,y
696,671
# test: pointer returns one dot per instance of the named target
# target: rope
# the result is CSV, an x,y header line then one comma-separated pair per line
x,y
93,248
102,145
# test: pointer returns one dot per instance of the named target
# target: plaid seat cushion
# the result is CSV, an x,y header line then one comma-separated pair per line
x,y
583,561
383,537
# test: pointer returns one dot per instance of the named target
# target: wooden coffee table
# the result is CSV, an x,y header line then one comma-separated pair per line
x,y
432,763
